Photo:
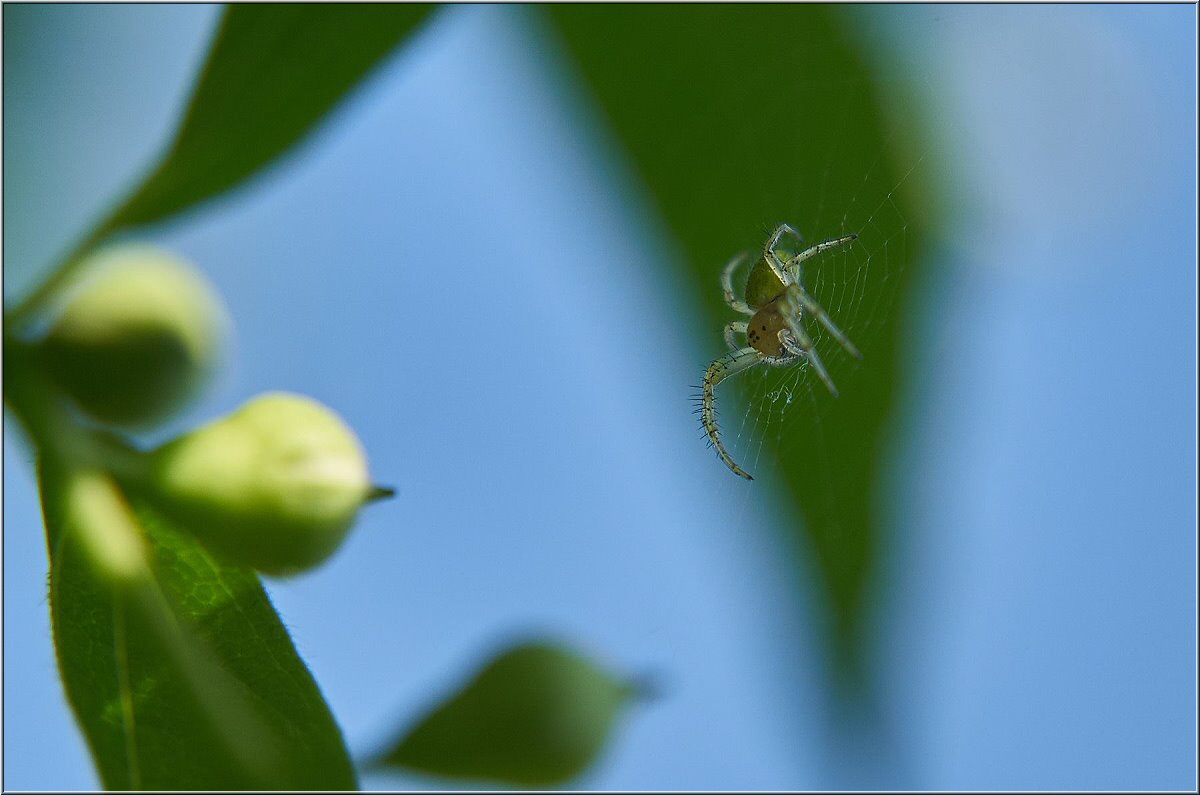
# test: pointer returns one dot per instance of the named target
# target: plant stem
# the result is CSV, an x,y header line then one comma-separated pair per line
x,y
23,312
38,407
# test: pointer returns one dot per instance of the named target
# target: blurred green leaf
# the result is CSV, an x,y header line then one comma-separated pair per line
x,y
274,71
184,678
535,716
737,119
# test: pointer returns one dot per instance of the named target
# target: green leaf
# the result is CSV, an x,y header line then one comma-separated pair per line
x,y
178,669
274,71
737,119
535,716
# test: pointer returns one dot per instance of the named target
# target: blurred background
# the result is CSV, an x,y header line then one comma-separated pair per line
x,y
467,265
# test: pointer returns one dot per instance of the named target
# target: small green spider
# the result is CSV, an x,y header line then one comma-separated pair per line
x,y
776,302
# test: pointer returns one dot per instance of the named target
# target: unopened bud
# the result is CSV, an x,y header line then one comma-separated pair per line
x,y
276,484
136,338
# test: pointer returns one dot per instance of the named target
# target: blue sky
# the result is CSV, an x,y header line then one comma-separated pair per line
x,y
1041,627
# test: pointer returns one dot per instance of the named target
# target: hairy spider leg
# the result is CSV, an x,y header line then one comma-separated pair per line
x,y
727,285
816,310
735,327
800,344
794,272
812,251
717,372
780,231
795,349
773,259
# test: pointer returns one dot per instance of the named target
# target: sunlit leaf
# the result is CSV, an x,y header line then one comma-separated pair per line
x,y
181,677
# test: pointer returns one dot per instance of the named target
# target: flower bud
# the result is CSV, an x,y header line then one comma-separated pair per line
x,y
136,338
274,485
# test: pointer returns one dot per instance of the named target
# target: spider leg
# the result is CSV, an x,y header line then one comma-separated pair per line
x,y
793,265
736,327
799,343
808,302
727,285
718,371
804,348
816,310
780,231
772,258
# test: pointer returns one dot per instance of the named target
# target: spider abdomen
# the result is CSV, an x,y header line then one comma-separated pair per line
x,y
764,330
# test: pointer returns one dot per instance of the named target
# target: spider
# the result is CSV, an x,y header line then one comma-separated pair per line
x,y
776,302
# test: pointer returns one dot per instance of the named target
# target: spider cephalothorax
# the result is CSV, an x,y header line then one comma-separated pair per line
x,y
776,302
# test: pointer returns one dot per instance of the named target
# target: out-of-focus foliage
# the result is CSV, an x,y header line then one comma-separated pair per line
x,y
736,119
180,672
182,676
273,74
176,665
535,716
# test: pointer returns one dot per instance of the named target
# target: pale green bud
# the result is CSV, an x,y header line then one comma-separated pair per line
x,y
275,484
136,337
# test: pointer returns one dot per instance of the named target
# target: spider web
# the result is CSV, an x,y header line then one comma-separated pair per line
x,y
857,284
